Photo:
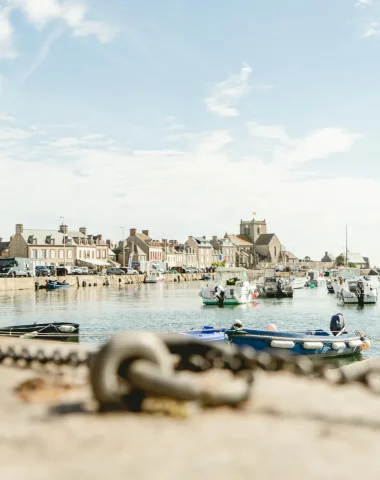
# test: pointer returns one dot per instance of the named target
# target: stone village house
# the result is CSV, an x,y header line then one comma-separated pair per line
x,y
224,248
203,251
60,247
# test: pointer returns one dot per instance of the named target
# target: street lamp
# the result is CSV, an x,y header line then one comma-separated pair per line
x,y
122,228
64,242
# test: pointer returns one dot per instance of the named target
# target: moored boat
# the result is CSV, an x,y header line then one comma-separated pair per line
x,y
55,285
230,287
316,343
274,287
63,331
153,277
358,291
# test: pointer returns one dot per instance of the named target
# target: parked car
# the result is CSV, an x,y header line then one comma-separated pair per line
x,y
76,270
129,271
115,271
42,271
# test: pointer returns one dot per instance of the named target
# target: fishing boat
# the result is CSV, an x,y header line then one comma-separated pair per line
x,y
274,287
55,285
357,291
230,287
63,331
343,274
208,334
315,278
317,343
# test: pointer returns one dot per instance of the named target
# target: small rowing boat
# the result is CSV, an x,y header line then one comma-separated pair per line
x,y
55,285
63,331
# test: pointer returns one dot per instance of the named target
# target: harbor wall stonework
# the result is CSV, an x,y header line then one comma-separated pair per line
x,y
15,284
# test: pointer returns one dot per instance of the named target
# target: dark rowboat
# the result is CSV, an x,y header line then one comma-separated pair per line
x,y
62,331
55,285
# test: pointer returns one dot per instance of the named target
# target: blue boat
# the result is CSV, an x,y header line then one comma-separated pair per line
x,y
208,334
55,285
316,343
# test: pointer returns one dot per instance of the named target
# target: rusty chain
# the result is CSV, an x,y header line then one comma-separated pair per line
x,y
134,366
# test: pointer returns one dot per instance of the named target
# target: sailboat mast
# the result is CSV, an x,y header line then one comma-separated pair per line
x,y
346,246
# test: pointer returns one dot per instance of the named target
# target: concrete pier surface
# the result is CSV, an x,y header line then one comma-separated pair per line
x,y
292,428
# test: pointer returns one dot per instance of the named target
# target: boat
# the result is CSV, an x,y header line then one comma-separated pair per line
x,y
357,291
154,276
315,278
298,282
63,331
230,287
329,285
55,285
274,287
208,334
315,343
341,275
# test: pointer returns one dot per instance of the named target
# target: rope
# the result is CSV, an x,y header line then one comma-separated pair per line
x,y
363,334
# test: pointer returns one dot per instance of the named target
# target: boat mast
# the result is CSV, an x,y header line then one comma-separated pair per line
x,y
346,247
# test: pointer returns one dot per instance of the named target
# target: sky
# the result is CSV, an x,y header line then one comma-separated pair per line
x,y
184,117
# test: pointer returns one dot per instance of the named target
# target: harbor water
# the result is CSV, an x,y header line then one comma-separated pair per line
x,y
103,311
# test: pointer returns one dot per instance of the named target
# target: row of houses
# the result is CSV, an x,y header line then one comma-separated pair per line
x,y
249,248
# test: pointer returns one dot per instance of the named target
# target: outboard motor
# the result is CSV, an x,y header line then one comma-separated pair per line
x,y
360,292
337,324
220,295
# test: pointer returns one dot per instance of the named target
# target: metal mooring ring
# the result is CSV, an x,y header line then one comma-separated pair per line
x,y
105,365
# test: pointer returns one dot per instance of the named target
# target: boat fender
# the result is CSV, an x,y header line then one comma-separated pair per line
x,y
366,345
355,343
66,328
338,345
312,345
271,327
337,324
29,335
84,283
282,344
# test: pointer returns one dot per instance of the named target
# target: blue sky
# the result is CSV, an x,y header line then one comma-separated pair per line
x,y
184,117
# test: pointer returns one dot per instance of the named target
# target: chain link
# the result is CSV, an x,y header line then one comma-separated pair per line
x,y
134,366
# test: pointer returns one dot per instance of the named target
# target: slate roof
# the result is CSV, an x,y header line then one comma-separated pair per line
x,y
240,240
329,257
264,239
45,237
202,242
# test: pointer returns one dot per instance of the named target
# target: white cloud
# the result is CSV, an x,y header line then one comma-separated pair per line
x,y
225,94
6,118
7,49
363,3
41,13
14,134
315,145
373,29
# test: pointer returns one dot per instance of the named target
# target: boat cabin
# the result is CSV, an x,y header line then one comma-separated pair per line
x,y
226,276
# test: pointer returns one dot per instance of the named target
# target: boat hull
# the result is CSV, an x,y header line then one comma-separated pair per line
x,y
317,344
62,331
51,286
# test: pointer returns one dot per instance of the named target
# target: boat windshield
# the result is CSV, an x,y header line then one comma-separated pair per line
x,y
230,278
349,272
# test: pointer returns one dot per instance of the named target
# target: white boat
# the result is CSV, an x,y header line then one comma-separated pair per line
x,y
154,276
299,282
230,287
315,278
274,287
341,275
357,291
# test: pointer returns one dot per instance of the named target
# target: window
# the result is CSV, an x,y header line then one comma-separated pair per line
x,y
275,251
60,253
69,253
93,254
52,253
33,253
103,254
97,253
258,230
80,253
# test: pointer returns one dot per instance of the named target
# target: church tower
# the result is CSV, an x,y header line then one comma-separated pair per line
x,y
253,228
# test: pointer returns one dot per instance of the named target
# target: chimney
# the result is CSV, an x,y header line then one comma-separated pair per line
x,y
83,230
146,232
214,238
100,237
63,228
108,242
132,232
19,228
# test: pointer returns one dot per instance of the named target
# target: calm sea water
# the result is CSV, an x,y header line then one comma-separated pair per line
x,y
175,307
